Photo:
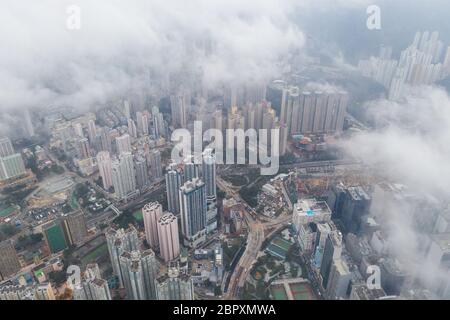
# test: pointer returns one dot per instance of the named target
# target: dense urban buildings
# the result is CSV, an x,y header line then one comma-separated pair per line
x,y
123,176
141,171
174,286
139,271
105,169
120,241
92,286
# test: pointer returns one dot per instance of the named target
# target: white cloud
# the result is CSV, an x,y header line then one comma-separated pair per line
x,y
411,147
45,63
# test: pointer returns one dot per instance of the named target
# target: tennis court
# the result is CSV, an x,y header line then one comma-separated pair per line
x,y
278,292
302,291
283,244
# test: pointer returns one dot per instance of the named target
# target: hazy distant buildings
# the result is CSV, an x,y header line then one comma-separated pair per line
x,y
83,148
11,166
190,169
155,165
179,105
283,138
209,174
123,144
103,140
158,123
29,129
142,119
438,254
105,169
140,166
6,148
419,64
132,130
123,176
217,120
92,130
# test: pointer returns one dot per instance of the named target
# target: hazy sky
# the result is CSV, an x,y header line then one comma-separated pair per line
x,y
341,25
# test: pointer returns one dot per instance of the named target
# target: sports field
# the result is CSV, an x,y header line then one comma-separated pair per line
x,y
302,291
279,247
292,289
283,244
278,292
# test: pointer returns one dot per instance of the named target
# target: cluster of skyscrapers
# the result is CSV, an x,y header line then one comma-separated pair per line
x,y
193,198
125,156
313,112
139,271
91,286
161,231
422,63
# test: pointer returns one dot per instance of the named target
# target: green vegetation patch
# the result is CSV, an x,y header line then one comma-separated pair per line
x,y
93,255
138,215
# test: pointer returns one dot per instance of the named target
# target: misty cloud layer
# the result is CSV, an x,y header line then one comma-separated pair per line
x,y
411,147
121,44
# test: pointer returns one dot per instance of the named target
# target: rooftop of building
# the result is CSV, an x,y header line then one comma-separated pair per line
x,y
167,218
192,185
311,207
341,266
292,289
358,193
364,293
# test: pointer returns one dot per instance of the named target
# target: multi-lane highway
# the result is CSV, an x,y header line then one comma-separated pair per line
x,y
243,267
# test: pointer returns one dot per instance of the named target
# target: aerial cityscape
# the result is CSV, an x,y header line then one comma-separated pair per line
x,y
224,150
